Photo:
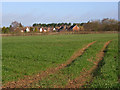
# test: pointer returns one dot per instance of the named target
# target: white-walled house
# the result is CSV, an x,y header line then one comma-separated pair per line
x,y
27,29
54,29
45,30
41,30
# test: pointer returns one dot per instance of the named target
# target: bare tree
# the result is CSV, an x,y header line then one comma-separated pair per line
x,y
15,26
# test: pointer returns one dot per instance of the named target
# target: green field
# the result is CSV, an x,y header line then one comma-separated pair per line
x,y
29,55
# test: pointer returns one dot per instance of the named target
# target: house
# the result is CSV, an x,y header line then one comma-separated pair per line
x,y
75,28
41,30
45,30
27,29
65,27
60,28
70,28
54,29
49,29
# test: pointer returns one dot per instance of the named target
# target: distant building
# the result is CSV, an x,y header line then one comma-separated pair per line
x,y
60,28
70,28
75,28
54,29
41,30
27,29
45,30
49,29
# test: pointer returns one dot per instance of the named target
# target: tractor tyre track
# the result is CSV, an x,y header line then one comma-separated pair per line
x,y
28,80
85,75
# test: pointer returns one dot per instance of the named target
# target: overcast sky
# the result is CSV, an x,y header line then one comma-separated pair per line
x,y
54,12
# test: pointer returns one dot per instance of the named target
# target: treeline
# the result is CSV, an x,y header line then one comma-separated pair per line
x,y
51,24
105,24
55,24
101,25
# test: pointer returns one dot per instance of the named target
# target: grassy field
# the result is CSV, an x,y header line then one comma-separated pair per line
x,y
107,74
73,70
29,55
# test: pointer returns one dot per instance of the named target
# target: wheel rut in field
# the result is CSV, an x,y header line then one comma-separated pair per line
x,y
86,75
28,80
24,83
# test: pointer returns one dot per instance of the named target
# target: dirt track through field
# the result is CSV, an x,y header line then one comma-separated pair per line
x,y
27,81
85,75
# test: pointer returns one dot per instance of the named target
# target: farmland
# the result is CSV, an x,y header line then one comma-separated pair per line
x,y
24,56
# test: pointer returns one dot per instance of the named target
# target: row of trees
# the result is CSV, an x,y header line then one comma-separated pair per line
x,y
101,25
51,24
105,24
55,24
5,30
